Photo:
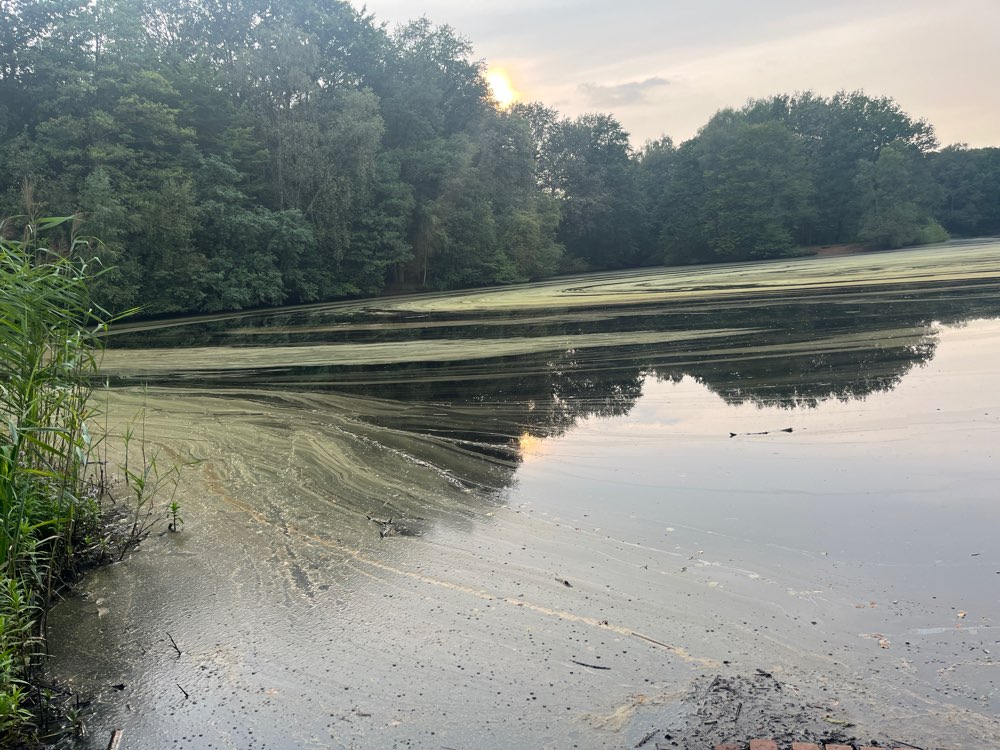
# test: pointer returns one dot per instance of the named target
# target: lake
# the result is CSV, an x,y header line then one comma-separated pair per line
x,y
558,514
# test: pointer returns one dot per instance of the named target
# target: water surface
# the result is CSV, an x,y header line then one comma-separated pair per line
x,y
624,434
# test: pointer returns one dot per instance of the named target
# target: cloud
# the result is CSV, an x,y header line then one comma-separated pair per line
x,y
622,94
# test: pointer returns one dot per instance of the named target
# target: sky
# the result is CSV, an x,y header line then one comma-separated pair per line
x,y
664,68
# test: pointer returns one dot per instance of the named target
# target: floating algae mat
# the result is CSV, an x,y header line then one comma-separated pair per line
x,y
549,515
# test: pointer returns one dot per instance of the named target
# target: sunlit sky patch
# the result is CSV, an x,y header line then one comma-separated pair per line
x,y
663,67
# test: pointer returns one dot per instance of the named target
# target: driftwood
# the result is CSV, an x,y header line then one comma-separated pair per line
x,y
116,739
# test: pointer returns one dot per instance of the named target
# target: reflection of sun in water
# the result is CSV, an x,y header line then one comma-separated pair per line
x,y
502,87
530,446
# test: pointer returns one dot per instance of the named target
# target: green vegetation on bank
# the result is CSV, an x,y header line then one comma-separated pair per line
x,y
48,506
56,482
254,153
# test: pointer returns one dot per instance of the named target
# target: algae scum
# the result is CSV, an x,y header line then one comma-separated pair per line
x,y
596,510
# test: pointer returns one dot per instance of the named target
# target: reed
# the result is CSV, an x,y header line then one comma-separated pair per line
x,y
49,346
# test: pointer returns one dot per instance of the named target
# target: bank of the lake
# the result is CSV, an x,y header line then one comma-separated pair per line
x,y
579,473
50,501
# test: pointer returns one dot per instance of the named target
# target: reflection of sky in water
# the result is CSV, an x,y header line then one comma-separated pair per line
x,y
905,479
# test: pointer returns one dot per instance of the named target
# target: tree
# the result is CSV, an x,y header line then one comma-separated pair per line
x,y
758,195
896,198
969,185
676,193
591,170
837,134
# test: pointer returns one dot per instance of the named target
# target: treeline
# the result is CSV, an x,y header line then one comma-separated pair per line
x,y
250,153
804,170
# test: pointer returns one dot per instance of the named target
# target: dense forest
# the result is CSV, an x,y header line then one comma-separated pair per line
x,y
252,152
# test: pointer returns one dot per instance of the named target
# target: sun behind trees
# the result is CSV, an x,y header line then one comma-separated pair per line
x,y
261,153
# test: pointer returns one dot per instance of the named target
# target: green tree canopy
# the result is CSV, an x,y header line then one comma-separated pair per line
x,y
253,152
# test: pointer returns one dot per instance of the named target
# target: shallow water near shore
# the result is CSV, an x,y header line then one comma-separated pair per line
x,y
603,491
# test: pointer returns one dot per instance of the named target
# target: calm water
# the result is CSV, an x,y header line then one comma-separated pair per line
x,y
622,433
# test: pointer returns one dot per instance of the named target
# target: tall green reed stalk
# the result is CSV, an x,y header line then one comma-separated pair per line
x,y
49,344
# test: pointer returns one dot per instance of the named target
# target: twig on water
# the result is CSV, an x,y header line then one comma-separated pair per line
x,y
174,643
768,432
658,643
646,739
589,666
182,690
712,686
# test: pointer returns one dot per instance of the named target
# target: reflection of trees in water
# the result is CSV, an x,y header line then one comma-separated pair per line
x,y
795,353
572,390
539,396
801,355
806,380
859,349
